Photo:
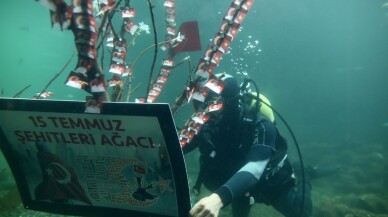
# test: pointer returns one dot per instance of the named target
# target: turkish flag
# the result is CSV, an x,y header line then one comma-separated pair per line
x,y
60,182
192,42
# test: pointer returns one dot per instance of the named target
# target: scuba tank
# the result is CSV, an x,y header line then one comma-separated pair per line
x,y
252,109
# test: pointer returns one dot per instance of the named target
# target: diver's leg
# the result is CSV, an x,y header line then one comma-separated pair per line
x,y
241,207
297,201
290,204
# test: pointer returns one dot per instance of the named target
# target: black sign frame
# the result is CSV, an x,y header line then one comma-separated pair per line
x,y
160,110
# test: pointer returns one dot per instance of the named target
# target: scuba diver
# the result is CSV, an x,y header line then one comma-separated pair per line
x,y
243,159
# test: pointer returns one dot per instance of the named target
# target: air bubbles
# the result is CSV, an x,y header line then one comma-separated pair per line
x,y
247,57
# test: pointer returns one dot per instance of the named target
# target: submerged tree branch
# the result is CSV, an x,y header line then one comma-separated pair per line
x,y
20,92
56,75
155,49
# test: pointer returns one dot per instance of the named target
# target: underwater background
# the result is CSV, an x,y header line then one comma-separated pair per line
x,y
322,63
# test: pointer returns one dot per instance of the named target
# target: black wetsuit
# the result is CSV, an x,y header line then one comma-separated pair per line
x,y
242,159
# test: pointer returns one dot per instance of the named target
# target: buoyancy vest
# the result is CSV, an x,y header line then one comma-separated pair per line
x,y
224,147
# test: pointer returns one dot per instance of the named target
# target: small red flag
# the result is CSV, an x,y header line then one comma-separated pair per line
x,y
192,41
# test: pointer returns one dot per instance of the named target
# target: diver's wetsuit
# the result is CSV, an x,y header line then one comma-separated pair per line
x,y
240,158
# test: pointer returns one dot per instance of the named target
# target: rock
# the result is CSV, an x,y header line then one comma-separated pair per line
x,y
369,202
367,205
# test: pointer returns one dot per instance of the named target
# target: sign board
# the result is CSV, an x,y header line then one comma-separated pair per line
x,y
125,161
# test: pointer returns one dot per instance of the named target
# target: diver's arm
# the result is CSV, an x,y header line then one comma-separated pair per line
x,y
191,145
202,140
244,180
240,183
249,175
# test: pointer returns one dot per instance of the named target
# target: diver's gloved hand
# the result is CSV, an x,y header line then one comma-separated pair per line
x,y
207,207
